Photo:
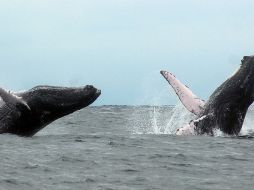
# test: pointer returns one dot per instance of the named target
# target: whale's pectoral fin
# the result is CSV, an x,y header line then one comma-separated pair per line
x,y
12,100
189,100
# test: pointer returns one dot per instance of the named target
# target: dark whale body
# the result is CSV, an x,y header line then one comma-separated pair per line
x,y
26,113
226,107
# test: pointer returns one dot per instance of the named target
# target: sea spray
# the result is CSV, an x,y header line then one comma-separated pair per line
x,y
180,116
155,127
159,119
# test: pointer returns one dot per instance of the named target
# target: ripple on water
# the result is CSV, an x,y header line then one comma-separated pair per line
x,y
96,149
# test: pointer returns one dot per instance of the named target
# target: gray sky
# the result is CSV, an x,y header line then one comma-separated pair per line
x,y
121,45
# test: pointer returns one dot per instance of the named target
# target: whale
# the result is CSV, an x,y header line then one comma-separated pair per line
x,y
226,108
25,113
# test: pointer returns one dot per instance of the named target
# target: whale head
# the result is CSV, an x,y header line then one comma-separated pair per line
x,y
247,63
48,103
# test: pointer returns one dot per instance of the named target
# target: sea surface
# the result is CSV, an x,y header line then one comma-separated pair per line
x,y
126,148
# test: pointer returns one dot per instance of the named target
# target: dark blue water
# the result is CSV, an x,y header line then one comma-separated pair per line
x,y
120,147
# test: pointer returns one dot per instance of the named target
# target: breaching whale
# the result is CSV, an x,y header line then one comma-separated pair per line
x,y
27,112
226,107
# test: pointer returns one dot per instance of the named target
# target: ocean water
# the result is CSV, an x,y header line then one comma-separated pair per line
x,y
123,148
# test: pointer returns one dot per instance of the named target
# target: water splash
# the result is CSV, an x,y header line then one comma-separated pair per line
x,y
180,116
160,119
155,127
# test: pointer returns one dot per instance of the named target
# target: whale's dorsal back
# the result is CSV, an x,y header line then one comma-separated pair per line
x,y
190,101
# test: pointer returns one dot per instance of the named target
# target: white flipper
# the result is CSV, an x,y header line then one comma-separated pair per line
x,y
11,99
189,100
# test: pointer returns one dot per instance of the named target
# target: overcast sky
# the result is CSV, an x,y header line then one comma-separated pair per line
x,y
120,46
